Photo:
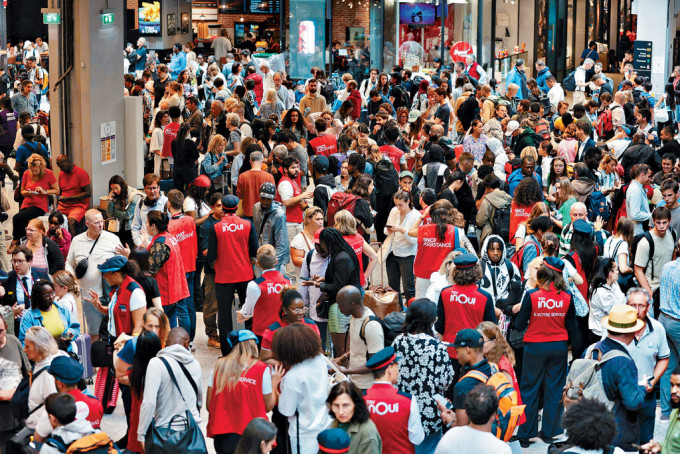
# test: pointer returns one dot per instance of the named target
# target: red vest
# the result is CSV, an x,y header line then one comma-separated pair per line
x,y
122,316
267,307
390,410
519,215
184,230
356,242
324,145
394,154
232,409
169,134
431,251
548,311
171,278
294,212
233,256
95,412
464,307
583,288
472,70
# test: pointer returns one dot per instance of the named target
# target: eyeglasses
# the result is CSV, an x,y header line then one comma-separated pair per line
x,y
152,188
18,261
300,310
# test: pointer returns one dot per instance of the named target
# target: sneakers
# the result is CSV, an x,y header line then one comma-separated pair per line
x,y
214,343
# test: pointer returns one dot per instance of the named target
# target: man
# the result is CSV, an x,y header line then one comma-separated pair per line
x,y
590,52
602,86
356,164
210,298
184,229
154,201
282,92
38,76
228,64
389,150
650,353
365,334
510,97
527,170
29,146
396,91
324,183
15,367
232,248
644,123
377,132
249,183
670,443
518,77
17,287
159,85
620,375
268,77
162,400
222,46
494,199
669,191
8,125
584,140
312,101
367,85
288,138
394,413
323,144
581,83
555,92
474,69
178,61
669,143
637,204
579,211
639,152
542,75
442,115
66,428
41,47
195,119
218,120
140,64
76,190
269,217
96,245
170,133
25,100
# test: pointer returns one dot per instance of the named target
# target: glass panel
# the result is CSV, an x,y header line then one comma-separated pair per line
x,y
570,34
389,32
376,37
307,36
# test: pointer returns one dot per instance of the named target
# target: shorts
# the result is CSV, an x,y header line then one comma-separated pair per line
x,y
73,212
337,323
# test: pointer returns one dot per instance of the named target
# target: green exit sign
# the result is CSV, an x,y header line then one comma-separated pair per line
x,y
51,18
107,18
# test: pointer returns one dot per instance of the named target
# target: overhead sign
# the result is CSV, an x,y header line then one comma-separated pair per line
x,y
460,50
51,18
642,58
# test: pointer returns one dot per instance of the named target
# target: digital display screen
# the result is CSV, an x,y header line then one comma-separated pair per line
x,y
263,6
417,13
150,18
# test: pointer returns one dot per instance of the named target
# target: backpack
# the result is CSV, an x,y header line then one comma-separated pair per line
x,y
386,178
500,223
585,377
569,82
328,92
19,402
95,443
543,130
468,111
598,205
648,236
604,126
518,258
392,325
509,412
404,99
340,201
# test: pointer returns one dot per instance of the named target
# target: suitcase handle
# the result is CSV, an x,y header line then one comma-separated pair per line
x,y
382,275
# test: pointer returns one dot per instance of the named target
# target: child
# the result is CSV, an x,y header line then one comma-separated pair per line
x,y
61,409
66,289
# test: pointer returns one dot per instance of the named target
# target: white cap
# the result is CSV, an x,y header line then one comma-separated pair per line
x,y
512,127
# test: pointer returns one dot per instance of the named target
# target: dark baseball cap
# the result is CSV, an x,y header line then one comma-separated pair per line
x,y
469,338
229,202
268,190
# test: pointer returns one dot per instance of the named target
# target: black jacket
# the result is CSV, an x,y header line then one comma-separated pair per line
x,y
639,153
321,193
10,285
341,271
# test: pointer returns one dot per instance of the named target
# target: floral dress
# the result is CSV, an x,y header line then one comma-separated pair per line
x,y
424,371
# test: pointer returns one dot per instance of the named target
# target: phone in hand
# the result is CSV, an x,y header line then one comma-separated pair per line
x,y
389,226
443,401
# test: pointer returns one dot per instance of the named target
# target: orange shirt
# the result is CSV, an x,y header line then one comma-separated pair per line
x,y
38,200
72,184
248,188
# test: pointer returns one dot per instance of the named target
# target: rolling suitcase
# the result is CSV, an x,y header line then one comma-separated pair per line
x,y
106,389
84,345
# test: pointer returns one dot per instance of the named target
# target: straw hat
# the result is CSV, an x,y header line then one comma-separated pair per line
x,y
622,319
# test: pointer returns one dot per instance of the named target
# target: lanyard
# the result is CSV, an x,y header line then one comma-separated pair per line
x,y
27,294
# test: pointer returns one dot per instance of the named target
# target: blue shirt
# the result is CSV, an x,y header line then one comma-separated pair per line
x,y
178,63
637,206
140,65
670,289
21,294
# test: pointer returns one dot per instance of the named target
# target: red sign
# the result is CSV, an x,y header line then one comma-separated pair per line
x,y
460,50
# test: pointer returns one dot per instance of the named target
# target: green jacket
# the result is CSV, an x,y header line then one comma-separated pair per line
x,y
672,441
365,438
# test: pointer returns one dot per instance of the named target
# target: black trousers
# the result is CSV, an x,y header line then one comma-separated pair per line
x,y
225,301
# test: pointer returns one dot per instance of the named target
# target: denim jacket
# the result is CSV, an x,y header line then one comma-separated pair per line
x,y
33,317
274,231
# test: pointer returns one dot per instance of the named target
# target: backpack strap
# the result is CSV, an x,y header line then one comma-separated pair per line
x,y
308,261
477,375
191,380
174,380
56,442
367,320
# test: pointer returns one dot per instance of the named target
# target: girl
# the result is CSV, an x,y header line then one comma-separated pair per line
x,y
606,294
66,290
618,247
558,169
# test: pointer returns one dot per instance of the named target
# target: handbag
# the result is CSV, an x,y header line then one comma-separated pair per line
x,y
81,267
380,299
112,225
323,306
167,439
661,115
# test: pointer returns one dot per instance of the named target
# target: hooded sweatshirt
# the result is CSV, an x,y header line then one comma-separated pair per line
x,y
491,202
68,434
583,187
501,280
162,401
496,146
325,187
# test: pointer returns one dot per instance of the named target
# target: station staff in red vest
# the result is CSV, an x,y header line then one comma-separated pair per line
x,y
232,248
394,413
463,305
323,144
547,313
263,302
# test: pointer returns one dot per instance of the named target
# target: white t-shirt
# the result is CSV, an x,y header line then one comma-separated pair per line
x,y
137,301
190,205
69,302
374,343
466,440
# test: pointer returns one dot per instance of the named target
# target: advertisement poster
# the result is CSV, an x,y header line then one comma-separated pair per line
x,y
149,18
108,142
172,24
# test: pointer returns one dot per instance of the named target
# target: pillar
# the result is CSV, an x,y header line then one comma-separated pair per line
x,y
656,23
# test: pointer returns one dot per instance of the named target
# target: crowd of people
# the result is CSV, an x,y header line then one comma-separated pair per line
x,y
514,229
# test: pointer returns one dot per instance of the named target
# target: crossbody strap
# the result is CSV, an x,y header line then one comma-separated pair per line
x,y
95,243
191,380
174,380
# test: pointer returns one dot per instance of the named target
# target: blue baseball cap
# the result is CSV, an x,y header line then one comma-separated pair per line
x,y
334,441
229,202
465,260
582,226
66,369
554,263
115,263
383,358
240,335
468,337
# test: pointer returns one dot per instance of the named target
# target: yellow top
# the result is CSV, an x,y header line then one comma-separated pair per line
x,y
52,322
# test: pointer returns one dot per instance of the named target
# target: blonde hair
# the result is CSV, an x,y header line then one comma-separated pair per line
x,y
65,279
229,369
538,261
43,164
529,151
42,341
447,264
347,77
310,213
501,347
345,223
606,159
38,224
215,142
566,189
266,256
271,95
229,104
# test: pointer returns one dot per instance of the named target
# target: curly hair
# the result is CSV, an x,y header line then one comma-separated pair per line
x,y
501,347
361,413
294,344
467,276
589,424
528,192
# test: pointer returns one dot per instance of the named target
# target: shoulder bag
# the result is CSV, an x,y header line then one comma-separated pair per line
x,y
81,267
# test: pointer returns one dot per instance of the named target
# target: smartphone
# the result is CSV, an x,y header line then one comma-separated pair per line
x,y
306,279
443,401
389,226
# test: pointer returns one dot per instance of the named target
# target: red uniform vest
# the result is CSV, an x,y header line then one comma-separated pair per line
x,y
519,215
324,145
548,312
95,411
184,230
171,278
356,242
472,70
233,256
232,409
583,288
431,251
122,316
169,134
267,307
394,154
294,212
464,307
390,410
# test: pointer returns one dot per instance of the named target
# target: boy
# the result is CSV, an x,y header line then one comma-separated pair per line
x,y
61,409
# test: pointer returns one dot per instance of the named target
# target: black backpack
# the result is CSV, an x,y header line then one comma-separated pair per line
x,y
328,92
648,236
404,99
392,325
500,223
468,111
386,178
19,402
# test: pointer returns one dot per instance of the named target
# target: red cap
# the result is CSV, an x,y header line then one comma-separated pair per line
x,y
202,181
316,236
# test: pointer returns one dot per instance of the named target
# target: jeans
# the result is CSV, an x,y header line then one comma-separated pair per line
x,y
210,306
186,313
646,418
430,443
323,332
293,230
401,269
225,302
171,312
673,335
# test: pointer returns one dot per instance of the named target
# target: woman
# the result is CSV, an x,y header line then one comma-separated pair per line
x,y
304,387
195,204
59,234
450,186
344,113
293,120
349,411
346,224
191,55
534,92
400,249
569,144
362,211
271,106
425,368
66,290
562,108
402,120
565,197
607,178
185,155
267,136
37,184
161,120
415,141
40,348
234,79
258,437
435,172
544,368
140,270
441,278
558,169
184,78
46,254
342,180
524,229
303,242
420,99
475,141
546,153
56,319
606,294
343,269
242,385
214,164
527,194
383,85
618,247
123,200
